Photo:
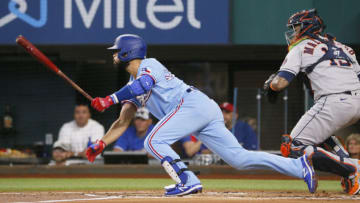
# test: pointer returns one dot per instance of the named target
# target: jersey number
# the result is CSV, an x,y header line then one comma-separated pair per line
x,y
339,62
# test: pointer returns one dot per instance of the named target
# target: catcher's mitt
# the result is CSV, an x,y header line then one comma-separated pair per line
x,y
268,92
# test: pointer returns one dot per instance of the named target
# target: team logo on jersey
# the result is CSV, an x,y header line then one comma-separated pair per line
x,y
146,69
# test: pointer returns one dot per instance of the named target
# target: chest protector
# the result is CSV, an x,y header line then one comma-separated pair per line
x,y
332,52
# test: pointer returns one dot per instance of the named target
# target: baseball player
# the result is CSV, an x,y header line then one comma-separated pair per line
x,y
181,110
333,73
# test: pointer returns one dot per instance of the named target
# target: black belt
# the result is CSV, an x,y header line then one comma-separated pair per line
x,y
190,89
346,92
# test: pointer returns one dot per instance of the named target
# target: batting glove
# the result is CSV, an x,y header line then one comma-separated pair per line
x,y
100,104
95,149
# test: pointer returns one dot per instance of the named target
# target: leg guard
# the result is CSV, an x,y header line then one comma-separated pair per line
x,y
174,171
329,162
335,145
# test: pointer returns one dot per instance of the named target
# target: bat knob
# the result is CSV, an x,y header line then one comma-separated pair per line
x,y
18,38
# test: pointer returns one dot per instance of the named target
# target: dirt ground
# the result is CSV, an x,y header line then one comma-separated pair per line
x,y
157,196
207,196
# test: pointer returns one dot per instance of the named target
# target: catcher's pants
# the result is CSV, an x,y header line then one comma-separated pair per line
x,y
200,115
329,114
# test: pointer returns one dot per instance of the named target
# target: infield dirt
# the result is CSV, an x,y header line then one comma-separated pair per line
x,y
157,196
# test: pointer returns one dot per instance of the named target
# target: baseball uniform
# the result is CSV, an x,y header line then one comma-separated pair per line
x,y
336,87
183,110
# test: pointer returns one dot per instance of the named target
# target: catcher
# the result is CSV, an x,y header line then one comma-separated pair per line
x,y
333,72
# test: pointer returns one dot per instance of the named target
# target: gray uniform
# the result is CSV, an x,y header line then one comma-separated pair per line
x,y
336,89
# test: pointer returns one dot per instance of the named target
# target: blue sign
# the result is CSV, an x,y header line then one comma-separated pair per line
x,y
100,21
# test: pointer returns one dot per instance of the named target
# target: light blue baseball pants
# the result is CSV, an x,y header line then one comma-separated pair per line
x,y
198,114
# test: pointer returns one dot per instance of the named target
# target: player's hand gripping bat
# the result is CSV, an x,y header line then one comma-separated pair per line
x,y
38,55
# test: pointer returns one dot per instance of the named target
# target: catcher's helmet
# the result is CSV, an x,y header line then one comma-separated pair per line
x,y
310,23
130,47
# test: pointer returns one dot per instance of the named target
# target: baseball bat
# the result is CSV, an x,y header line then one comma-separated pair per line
x,y
38,55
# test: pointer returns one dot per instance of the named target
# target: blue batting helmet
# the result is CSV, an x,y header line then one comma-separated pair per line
x,y
130,47
310,23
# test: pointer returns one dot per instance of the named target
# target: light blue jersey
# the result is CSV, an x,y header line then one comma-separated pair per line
x,y
166,92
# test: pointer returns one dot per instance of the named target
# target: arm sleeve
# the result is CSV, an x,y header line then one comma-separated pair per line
x,y
133,101
292,62
138,87
287,75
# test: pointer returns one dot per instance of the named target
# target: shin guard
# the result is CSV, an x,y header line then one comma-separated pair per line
x,y
174,171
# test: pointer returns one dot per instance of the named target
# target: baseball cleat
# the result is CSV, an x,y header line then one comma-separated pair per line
x,y
170,187
180,190
351,184
309,174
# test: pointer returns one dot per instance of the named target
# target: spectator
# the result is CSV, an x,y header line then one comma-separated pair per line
x,y
245,135
252,122
192,146
134,137
352,144
75,136
61,152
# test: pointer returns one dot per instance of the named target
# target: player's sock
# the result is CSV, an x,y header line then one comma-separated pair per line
x,y
192,178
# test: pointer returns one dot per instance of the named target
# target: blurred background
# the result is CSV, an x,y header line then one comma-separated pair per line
x,y
213,45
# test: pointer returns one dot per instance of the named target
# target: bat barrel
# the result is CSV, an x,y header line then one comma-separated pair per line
x,y
38,55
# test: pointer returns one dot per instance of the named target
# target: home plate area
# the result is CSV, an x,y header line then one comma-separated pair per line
x,y
157,196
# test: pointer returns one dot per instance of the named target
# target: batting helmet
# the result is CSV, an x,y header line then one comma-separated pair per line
x,y
130,47
310,23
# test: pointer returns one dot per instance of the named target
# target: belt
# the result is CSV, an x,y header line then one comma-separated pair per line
x,y
353,93
190,89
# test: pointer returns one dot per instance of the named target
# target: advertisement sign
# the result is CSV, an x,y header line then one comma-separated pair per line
x,y
100,21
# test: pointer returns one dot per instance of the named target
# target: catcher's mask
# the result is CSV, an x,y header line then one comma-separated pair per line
x,y
310,22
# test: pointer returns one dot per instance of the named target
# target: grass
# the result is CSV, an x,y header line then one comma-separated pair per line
x,y
114,184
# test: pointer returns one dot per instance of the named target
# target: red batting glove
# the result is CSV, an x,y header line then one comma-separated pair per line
x,y
100,104
94,150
